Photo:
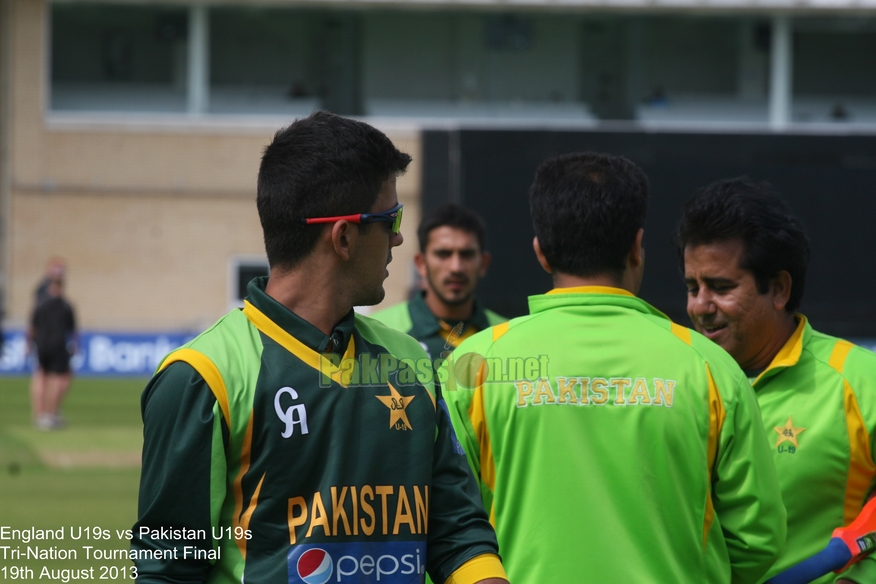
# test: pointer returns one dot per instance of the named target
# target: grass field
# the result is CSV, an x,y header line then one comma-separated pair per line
x,y
83,476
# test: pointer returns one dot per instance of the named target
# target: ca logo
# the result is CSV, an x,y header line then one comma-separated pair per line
x,y
294,414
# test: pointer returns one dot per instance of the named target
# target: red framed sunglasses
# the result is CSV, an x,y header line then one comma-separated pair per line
x,y
393,216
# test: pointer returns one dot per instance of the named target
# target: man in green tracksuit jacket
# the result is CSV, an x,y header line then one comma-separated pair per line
x,y
611,444
744,258
295,442
451,261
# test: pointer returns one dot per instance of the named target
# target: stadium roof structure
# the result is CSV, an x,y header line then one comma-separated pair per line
x,y
766,7
772,7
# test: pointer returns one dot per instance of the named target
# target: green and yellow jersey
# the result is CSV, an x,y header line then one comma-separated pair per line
x,y
437,336
818,403
270,458
612,445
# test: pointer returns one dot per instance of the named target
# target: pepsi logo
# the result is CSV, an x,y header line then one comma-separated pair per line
x,y
315,566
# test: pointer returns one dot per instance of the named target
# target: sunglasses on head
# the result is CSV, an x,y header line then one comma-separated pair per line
x,y
393,216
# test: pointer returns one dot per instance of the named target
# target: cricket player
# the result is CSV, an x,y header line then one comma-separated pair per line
x,y
294,441
451,261
744,257
611,444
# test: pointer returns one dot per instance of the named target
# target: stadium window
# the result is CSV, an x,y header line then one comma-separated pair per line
x,y
284,61
833,70
118,58
241,270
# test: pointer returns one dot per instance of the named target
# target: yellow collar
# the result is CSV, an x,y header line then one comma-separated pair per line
x,y
790,353
592,290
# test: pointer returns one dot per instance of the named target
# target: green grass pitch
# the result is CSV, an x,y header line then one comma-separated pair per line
x,y
79,478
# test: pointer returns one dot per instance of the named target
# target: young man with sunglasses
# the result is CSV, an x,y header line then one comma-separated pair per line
x,y
298,442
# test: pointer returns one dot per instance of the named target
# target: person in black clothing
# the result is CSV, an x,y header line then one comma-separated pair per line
x,y
52,331
55,270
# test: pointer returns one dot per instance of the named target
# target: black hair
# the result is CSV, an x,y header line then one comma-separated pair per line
x,y
452,215
319,166
586,210
773,238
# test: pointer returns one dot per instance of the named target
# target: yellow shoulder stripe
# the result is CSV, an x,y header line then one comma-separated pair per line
x,y
242,516
208,370
499,330
717,414
315,360
478,416
861,466
478,568
682,332
839,355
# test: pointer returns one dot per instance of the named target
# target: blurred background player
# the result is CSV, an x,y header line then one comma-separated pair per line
x,y
53,333
56,269
451,261
630,449
744,257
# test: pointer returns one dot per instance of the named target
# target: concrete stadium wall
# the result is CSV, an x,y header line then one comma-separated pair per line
x,y
147,212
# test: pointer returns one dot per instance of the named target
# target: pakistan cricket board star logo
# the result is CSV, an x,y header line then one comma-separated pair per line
x,y
396,402
788,433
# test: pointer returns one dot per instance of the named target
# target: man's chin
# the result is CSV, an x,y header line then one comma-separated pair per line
x,y
372,299
455,300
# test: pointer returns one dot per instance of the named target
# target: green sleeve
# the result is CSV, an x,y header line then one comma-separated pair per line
x,y
745,490
861,372
459,528
396,317
182,430
458,400
864,572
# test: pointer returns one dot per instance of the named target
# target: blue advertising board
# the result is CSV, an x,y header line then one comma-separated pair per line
x,y
113,354
110,354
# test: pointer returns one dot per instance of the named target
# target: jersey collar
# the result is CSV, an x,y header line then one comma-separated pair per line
x,y
425,324
591,295
306,333
789,354
591,290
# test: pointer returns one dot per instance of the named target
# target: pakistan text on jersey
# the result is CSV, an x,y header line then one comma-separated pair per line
x,y
598,391
350,510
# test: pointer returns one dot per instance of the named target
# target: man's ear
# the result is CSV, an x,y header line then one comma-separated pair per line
x,y
420,263
637,252
780,288
540,256
343,239
486,258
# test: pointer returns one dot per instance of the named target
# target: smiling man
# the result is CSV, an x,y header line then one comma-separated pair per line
x,y
266,438
744,257
451,261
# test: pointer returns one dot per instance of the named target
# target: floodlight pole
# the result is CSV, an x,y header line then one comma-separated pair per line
x,y
781,72
198,60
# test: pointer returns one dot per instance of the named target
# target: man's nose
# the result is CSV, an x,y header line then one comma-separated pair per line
x,y
701,303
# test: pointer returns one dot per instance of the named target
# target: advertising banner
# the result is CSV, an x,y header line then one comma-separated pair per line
x,y
98,353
